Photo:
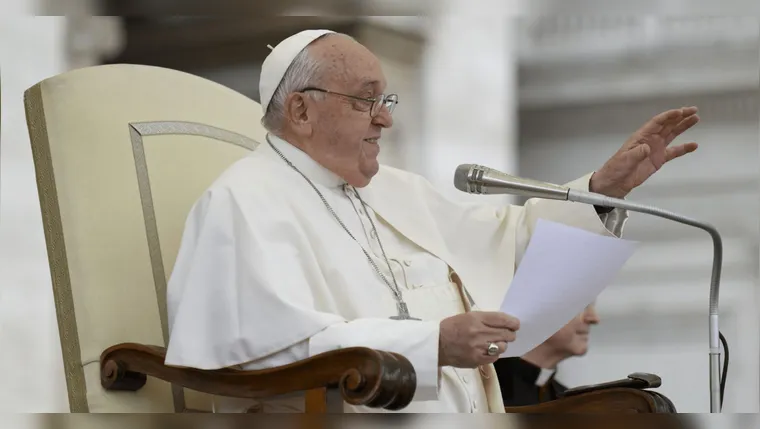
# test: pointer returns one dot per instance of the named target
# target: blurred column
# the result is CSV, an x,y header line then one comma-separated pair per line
x,y
32,48
89,36
469,96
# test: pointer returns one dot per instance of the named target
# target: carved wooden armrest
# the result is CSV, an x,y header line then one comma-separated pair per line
x,y
620,396
637,380
606,421
364,376
614,400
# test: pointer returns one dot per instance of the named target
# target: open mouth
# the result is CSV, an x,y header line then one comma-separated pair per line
x,y
372,140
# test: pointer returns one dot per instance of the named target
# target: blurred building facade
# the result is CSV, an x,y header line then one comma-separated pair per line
x,y
549,98
585,84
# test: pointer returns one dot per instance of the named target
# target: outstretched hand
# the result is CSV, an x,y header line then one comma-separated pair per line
x,y
645,152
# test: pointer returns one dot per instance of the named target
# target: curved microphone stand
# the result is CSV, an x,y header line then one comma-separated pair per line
x,y
477,179
714,332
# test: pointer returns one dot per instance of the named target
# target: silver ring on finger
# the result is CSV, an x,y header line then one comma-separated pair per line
x,y
493,349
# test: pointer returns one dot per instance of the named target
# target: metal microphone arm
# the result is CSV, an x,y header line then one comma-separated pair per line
x,y
601,200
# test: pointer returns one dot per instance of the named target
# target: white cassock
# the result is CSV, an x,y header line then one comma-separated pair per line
x,y
266,276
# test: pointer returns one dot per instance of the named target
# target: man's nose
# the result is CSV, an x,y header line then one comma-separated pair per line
x,y
383,118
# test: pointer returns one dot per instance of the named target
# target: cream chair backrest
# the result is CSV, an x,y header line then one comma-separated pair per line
x,y
121,154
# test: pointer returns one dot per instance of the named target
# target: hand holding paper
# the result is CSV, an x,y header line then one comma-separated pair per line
x,y
564,269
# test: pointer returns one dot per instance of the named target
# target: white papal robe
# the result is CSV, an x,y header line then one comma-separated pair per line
x,y
266,276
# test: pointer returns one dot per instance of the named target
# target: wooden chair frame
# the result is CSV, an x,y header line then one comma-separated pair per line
x,y
361,376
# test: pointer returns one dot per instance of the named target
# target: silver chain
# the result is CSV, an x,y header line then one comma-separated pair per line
x,y
403,310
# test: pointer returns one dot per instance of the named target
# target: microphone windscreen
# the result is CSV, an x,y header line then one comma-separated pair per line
x,y
461,177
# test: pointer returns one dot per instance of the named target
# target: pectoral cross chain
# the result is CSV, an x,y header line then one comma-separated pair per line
x,y
403,312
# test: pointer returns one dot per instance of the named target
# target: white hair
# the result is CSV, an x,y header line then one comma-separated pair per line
x,y
303,72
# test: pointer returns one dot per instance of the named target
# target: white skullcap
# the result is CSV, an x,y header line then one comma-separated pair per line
x,y
277,62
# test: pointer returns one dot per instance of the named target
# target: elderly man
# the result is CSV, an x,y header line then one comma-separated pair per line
x,y
529,380
309,245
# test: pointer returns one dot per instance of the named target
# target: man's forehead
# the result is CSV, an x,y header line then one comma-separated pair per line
x,y
362,77
350,63
371,83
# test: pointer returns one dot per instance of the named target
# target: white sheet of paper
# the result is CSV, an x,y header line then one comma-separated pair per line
x,y
563,270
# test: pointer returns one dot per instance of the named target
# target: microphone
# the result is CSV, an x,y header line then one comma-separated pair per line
x,y
477,179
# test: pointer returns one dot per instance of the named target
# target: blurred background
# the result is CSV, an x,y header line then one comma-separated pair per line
x,y
544,92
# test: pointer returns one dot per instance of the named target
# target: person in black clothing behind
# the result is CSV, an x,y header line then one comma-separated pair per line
x,y
529,380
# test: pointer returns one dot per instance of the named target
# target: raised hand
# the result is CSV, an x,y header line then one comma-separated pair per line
x,y
645,152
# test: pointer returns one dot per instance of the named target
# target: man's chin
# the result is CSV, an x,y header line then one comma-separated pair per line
x,y
370,167
364,176
367,180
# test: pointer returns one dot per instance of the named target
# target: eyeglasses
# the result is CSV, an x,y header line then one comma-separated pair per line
x,y
389,101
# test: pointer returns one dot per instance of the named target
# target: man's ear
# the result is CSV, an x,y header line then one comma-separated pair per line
x,y
299,113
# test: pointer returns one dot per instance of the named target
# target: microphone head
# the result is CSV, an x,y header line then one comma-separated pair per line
x,y
469,178
462,177
477,179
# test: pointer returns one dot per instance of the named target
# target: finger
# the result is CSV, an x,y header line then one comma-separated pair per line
x,y
671,124
500,320
657,123
502,348
682,126
680,150
665,117
503,335
639,153
483,358
689,110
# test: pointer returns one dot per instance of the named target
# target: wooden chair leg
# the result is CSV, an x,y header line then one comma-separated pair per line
x,y
316,401
323,401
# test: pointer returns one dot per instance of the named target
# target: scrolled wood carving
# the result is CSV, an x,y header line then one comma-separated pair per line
x,y
365,377
622,400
